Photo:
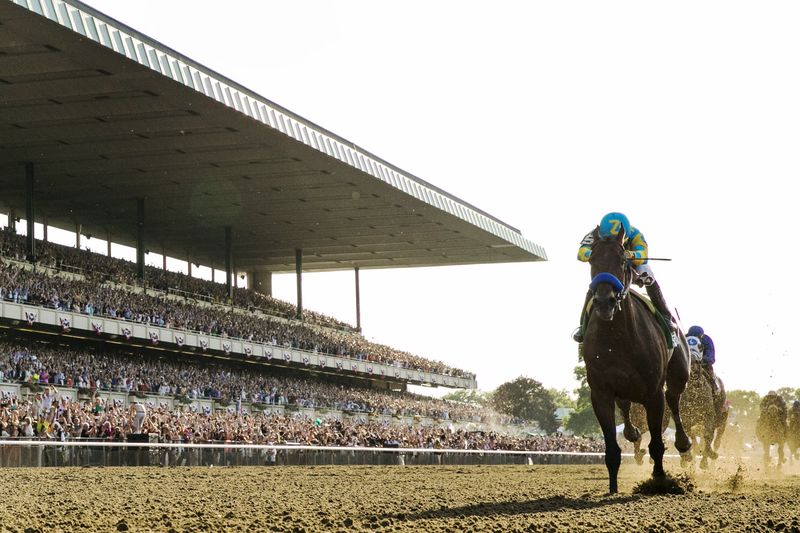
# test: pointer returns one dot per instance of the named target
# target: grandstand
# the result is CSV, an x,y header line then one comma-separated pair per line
x,y
107,132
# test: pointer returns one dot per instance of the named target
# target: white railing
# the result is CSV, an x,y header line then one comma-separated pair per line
x,y
124,330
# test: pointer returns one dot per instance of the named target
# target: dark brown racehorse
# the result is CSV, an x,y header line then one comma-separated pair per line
x,y
628,359
704,415
793,439
771,428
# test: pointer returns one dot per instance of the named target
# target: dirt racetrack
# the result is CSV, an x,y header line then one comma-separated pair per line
x,y
429,498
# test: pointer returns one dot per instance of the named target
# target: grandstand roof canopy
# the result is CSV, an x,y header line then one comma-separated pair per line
x,y
107,115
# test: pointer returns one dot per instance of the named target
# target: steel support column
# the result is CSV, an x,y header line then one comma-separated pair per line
x,y
29,212
298,266
228,261
358,301
140,238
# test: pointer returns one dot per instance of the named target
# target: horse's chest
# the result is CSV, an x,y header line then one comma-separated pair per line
x,y
620,370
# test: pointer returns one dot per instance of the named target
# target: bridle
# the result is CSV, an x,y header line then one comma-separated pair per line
x,y
620,287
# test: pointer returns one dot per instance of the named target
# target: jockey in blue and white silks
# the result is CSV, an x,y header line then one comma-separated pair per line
x,y
709,353
636,251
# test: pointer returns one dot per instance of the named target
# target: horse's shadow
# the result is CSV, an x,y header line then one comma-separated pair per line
x,y
539,506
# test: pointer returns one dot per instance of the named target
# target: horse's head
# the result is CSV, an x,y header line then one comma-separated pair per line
x,y
611,275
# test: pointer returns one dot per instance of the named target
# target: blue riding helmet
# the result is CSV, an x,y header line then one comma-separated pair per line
x,y
695,331
611,224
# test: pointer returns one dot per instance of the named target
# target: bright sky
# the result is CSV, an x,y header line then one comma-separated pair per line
x,y
683,115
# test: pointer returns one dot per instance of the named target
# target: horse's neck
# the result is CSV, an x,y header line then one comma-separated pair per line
x,y
629,312
696,375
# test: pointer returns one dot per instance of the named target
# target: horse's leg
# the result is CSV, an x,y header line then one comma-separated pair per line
x,y
722,423
655,414
677,376
631,432
603,406
687,458
708,439
781,458
638,452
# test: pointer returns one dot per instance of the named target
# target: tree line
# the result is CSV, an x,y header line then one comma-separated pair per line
x,y
527,399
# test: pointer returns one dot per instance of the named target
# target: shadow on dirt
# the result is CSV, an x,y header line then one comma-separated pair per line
x,y
544,505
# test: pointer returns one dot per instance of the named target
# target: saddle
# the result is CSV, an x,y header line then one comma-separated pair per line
x,y
663,321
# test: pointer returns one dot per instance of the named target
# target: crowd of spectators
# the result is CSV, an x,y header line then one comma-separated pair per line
x,y
99,285
66,366
113,299
50,415
97,267
104,420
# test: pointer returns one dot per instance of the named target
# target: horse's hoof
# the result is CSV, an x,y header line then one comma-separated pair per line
x,y
711,454
682,442
704,463
632,433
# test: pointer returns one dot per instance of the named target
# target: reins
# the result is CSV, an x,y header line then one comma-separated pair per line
x,y
621,287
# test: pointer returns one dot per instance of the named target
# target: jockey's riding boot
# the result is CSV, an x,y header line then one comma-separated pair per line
x,y
712,379
657,297
577,336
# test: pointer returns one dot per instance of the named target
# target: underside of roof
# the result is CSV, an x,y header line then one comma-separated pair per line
x,y
107,115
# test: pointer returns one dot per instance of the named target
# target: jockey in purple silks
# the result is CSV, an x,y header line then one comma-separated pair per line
x,y
709,354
